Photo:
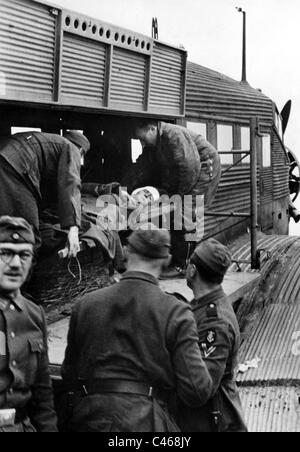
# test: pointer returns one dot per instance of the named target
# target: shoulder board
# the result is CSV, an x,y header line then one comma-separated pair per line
x,y
211,310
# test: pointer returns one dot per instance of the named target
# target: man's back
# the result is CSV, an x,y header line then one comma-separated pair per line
x,y
132,331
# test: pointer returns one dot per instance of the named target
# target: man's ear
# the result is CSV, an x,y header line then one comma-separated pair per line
x,y
167,261
191,271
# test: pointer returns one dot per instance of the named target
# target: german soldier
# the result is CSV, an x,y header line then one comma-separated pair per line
x,y
36,168
219,339
26,402
131,346
181,163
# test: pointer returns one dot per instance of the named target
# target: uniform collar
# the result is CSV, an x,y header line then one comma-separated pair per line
x,y
211,297
17,301
141,276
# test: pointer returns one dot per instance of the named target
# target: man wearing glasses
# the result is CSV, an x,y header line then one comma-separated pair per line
x,y
26,400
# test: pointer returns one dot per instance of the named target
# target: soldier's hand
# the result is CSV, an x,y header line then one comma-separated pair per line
x,y
73,241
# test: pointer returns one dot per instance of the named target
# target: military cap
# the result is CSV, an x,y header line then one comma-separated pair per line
x,y
16,230
151,242
212,259
78,139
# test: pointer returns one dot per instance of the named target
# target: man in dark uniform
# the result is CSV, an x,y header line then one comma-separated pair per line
x,y
219,340
36,168
131,347
26,401
182,163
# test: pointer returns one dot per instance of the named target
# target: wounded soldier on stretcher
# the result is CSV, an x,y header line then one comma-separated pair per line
x,y
109,214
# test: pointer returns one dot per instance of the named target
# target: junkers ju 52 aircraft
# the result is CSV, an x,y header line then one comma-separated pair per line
x,y
63,70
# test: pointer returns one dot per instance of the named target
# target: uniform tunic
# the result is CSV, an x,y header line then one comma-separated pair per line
x,y
134,331
219,340
24,375
36,169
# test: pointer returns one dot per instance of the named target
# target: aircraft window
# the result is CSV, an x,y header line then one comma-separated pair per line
x,y
225,143
198,127
136,150
24,129
245,142
266,151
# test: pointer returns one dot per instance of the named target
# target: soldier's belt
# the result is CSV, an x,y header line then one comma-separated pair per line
x,y
121,387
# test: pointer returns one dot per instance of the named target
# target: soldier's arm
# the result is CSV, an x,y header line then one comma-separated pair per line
x,y
187,161
41,406
216,341
193,381
69,186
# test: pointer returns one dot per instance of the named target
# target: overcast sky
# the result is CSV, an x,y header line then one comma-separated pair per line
x,y
211,32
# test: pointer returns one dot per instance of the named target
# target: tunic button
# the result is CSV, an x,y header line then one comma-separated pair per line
x,y
14,363
211,305
11,391
12,334
12,307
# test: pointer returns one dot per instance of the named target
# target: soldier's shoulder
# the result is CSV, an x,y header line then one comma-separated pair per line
x,y
178,296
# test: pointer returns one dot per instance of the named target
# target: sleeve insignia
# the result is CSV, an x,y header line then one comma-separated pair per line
x,y
211,336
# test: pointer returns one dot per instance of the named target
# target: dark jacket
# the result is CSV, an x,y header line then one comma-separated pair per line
x,y
183,162
49,165
219,340
134,331
31,388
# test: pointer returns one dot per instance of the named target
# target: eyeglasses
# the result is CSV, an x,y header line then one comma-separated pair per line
x,y
7,256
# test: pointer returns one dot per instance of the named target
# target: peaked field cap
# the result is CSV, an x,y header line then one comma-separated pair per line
x,y
151,242
16,230
78,139
212,257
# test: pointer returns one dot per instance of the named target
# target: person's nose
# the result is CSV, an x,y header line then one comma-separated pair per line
x,y
16,262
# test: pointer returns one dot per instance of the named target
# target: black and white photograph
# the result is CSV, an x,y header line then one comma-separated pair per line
x,y
149,218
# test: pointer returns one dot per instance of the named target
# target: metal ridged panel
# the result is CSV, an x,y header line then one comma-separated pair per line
x,y
280,170
209,92
271,408
128,75
277,245
27,42
274,342
83,70
166,78
267,185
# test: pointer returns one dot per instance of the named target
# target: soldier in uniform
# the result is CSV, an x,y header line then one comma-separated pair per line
x,y
219,339
39,168
26,401
181,163
131,347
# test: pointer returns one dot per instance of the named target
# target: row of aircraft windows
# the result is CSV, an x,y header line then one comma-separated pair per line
x,y
225,142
